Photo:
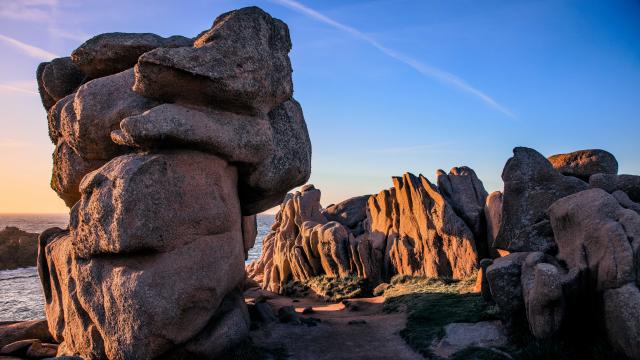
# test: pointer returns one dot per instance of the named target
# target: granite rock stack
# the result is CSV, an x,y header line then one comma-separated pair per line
x,y
166,148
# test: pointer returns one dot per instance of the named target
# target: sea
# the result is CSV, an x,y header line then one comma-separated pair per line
x,y
20,290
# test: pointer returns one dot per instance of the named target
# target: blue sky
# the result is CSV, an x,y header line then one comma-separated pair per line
x,y
387,86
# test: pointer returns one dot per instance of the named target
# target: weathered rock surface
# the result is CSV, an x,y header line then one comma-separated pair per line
x,y
596,235
466,194
240,64
543,296
24,330
18,248
504,281
410,229
96,110
584,163
531,185
60,77
262,186
68,170
493,216
111,53
630,184
622,317
164,195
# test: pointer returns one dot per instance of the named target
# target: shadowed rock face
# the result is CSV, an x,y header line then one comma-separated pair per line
x,y
531,185
164,195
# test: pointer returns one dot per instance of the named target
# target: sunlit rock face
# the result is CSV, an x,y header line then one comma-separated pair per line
x,y
164,187
410,229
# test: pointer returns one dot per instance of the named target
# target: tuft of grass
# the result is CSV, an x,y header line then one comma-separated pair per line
x,y
329,288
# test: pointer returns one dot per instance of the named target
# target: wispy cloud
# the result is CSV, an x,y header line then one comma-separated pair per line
x,y
29,10
24,87
70,35
30,50
421,67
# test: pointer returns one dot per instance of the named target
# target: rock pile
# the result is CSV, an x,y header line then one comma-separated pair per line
x,y
575,263
415,228
165,151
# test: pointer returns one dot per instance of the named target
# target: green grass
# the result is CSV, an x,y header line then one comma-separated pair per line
x,y
431,304
328,288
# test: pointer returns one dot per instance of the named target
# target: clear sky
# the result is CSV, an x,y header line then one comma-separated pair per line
x,y
387,86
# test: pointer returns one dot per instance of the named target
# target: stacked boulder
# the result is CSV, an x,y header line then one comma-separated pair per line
x,y
166,148
574,247
415,228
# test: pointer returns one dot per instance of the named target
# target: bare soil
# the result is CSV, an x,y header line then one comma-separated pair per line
x,y
359,330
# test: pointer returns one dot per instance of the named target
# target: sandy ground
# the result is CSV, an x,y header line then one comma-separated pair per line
x,y
334,338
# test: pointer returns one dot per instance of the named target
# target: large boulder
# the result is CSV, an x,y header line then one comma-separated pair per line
x,y
427,237
264,185
503,276
543,295
493,216
240,64
622,319
96,110
350,212
135,294
597,236
68,170
531,185
59,78
630,184
584,163
152,265
111,53
466,194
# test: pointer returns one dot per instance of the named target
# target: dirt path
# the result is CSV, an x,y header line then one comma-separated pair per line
x,y
334,338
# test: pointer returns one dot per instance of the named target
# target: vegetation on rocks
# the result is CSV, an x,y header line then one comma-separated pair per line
x,y
329,288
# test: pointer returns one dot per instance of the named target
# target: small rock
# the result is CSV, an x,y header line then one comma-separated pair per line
x,y
308,310
17,347
33,329
40,350
262,312
380,289
458,336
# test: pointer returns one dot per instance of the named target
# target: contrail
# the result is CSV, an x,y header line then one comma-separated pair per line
x,y
12,88
422,68
30,50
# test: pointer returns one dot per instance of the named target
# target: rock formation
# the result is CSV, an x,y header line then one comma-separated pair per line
x,y
577,264
410,229
165,151
584,163
18,248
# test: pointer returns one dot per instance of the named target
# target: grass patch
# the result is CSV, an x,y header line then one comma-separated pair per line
x,y
431,304
329,288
